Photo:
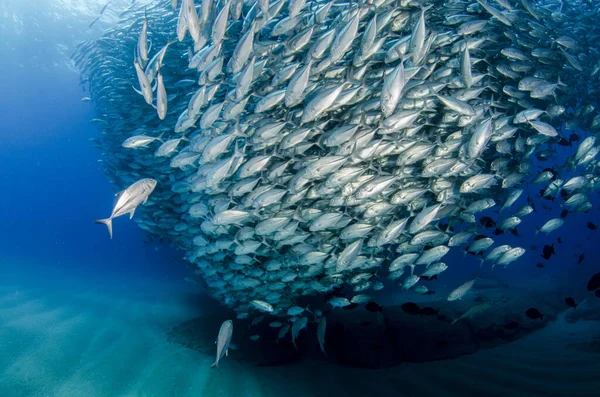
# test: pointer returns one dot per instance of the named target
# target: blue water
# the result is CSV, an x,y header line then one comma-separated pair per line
x,y
53,187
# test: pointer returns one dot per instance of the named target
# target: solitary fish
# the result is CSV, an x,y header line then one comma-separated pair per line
x,y
223,341
129,199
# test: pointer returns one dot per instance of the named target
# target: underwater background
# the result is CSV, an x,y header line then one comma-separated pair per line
x,y
85,315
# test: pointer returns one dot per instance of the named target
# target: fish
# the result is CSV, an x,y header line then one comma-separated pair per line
x,y
283,331
594,282
510,256
411,308
138,141
571,302
129,200
321,328
99,14
461,291
223,341
161,97
550,225
534,314
580,259
473,311
262,306
339,302
548,251
487,222
298,326
308,146
429,311
374,307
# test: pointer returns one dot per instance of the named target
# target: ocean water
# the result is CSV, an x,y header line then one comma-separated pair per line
x,y
85,315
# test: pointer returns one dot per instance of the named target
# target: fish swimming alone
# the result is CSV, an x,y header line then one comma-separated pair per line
x,y
129,200
223,341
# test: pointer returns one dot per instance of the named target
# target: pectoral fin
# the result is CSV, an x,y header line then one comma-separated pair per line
x,y
131,213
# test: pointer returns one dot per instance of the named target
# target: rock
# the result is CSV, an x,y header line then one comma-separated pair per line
x,y
360,338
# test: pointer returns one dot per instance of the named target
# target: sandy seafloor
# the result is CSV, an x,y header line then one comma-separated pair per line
x,y
107,337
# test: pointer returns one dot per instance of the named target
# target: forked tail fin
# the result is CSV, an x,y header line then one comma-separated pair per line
x,y
108,223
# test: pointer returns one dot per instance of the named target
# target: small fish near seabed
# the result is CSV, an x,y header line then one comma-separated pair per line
x,y
473,311
534,314
571,302
594,282
223,341
411,308
129,200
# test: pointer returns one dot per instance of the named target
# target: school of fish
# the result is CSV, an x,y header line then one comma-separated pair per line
x,y
296,147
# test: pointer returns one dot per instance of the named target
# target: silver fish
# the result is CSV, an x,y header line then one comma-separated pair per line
x,y
223,341
129,200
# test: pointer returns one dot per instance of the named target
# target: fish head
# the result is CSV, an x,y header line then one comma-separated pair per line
x,y
149,184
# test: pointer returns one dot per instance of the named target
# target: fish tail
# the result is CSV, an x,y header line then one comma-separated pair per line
x,y
108,223
215,364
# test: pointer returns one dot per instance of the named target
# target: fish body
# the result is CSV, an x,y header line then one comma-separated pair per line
x,y
321,328
223,341
129,200
461,291
161,98
298,326
473,311
551,225
261,305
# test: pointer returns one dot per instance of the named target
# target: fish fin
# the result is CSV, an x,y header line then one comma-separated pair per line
x,y
227,353
133,212
108,223
138,91
118,194
215,364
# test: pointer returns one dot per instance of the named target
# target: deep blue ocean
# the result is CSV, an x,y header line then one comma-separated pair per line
x,y
62,279
54,184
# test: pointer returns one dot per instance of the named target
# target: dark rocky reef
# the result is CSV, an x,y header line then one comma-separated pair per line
x,y
360,338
